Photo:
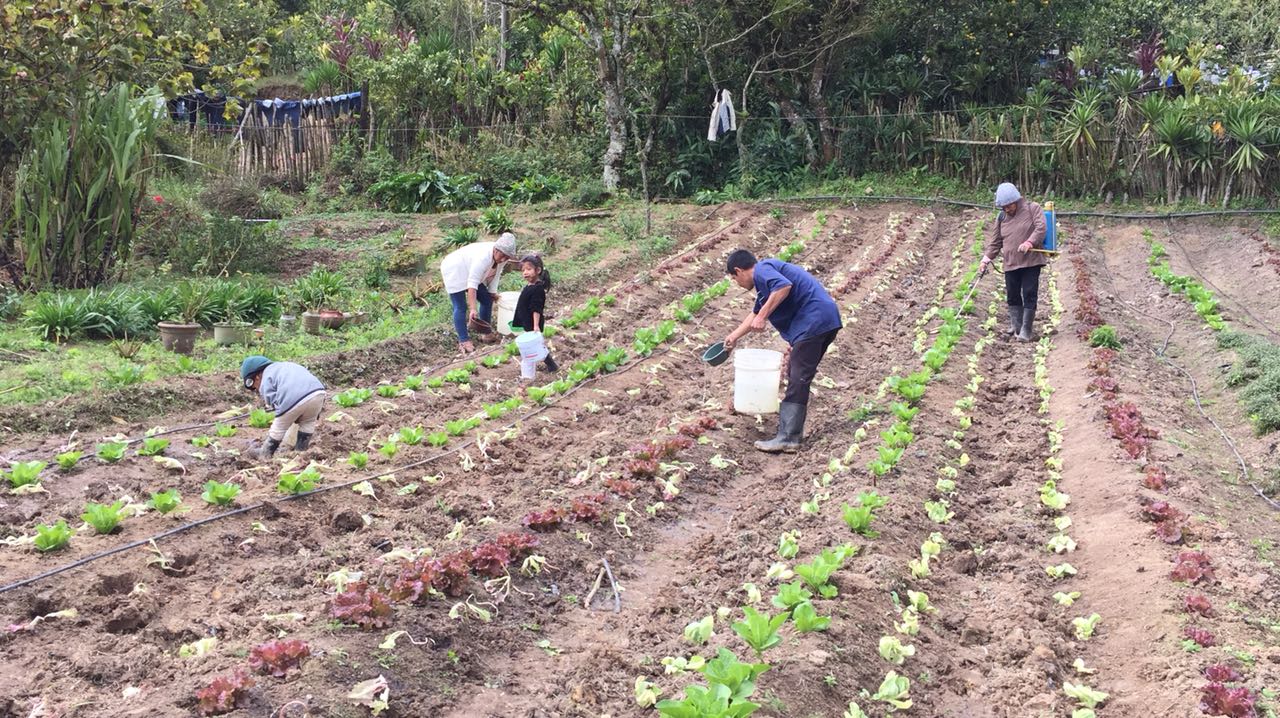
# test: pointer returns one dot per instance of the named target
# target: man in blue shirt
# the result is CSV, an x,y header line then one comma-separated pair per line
x,y
807,318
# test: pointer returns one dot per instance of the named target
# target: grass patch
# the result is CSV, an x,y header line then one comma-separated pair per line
x,y
1256,373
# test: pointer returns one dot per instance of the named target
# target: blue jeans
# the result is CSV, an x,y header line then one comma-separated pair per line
x,y
484,307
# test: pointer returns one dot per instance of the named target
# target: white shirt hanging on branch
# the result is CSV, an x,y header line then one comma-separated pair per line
x,y
723,118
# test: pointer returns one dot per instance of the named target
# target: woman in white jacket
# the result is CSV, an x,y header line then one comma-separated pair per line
x,y
471,275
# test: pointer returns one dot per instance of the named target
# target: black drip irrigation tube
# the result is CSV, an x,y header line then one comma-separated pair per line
x,y
854,199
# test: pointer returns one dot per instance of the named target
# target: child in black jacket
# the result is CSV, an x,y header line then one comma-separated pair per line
x,y
530,316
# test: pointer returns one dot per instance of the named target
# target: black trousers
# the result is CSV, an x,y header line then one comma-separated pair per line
x,y
803,366
1022,286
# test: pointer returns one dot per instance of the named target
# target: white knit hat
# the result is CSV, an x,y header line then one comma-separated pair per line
x,y
1007,194
506,244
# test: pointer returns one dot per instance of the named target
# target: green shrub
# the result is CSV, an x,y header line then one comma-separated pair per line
x,y
495,220
59,317
534,188
460,236
589,193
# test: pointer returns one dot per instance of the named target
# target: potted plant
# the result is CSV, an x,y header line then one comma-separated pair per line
x,y
318,292
291,308
231,330
190,312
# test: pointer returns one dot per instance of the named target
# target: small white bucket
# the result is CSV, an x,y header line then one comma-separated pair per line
x,y
531,345
757,373
506,310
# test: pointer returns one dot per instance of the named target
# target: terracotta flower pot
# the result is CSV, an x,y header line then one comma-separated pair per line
x,y
331,318
178,338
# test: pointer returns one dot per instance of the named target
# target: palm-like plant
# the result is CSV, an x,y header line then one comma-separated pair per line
x,y
1247,129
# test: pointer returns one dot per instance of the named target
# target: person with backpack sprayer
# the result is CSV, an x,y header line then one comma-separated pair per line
x,y
806,316
293,393
1017,237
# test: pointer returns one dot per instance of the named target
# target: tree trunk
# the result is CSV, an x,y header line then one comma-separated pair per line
x,y
610,74
826,132
798,125
504,22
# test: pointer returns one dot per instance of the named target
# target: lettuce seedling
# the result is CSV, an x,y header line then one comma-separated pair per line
x,y
871,500
1061,543
818,571
937,511
435,382
894,690
111,451
102,517
491,361
919,602
352,397
277,658
358,459
892,650
201,442
1086,696
220,494
414,382
945,486
224,694
51,538
362,605
699,632
25,473
457,376
291,483
224,431
1062,570
910,625
759,630
1084,627
438,438
165,502
859,519
788,545
389,449
411,435
153,447
791,594
67,460
726,670
389,391
260,418
1066,599
806,618
457,427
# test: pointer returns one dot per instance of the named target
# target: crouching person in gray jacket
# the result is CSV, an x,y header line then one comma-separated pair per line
x,y
292,392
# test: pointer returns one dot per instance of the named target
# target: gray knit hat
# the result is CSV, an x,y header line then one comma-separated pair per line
x,y
506,244
1007,194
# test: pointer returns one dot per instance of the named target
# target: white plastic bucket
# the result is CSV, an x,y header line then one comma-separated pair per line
x,y
531,345
506,310
757,373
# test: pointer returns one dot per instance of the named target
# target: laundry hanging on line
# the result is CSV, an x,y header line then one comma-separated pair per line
x,y
723,118
276,112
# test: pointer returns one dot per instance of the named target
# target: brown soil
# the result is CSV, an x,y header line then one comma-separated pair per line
x,y
998,646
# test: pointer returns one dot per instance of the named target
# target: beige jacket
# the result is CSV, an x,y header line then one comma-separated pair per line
x,y
1007,233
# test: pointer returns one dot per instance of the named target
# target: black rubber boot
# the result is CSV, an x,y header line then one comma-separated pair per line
x,y
267,450
790,430
550,364
304,440
1028,316
1015,321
